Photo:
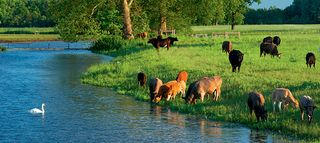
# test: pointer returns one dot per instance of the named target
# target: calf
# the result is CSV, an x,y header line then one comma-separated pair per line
x,y
182,85
269,48
311,59
256,103
235,58
283,95
227,46
168,90
142,79
276,40
307,104
142,35
154,86
182,75
200,88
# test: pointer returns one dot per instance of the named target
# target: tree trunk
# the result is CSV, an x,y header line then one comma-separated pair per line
x,y
127,28
163,23
232,26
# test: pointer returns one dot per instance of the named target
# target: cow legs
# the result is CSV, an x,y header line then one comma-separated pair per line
x,y
202,94
239,68
302,113
274,106
279,105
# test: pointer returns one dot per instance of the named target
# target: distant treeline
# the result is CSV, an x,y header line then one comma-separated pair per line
x,y
300,12
36,13
25,13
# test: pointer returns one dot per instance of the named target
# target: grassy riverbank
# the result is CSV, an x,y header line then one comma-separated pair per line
x,y
203,57
28,34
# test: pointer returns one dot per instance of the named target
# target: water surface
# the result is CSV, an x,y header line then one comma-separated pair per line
x,y
82,113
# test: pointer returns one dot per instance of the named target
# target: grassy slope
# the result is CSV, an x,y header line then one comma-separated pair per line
x,y
203,57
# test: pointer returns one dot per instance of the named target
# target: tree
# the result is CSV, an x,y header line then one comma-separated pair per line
x,y
127,27
235,9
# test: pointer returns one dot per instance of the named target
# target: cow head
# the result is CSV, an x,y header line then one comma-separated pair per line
x,y
310,110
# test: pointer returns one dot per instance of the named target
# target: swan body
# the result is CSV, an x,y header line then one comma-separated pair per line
x,y
38,111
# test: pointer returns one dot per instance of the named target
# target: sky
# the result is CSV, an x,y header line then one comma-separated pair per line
x,y
267,3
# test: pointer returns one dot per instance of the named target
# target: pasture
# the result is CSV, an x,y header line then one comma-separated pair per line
x,y
202,57
28,34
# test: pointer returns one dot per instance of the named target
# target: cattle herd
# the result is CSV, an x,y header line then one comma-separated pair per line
x,y
211,86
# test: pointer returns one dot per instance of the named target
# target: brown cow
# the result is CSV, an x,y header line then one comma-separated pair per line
x,y
200,88
168,90
182,75
142,35
256,103
142,79
283,95
311,59
227,46
154,86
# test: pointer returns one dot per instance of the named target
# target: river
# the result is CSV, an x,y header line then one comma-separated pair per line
x,y
82,113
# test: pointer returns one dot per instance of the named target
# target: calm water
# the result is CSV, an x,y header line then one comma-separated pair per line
x,y
83,113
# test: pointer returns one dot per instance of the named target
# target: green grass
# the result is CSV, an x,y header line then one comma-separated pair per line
x,y
40,30
10,34
202,57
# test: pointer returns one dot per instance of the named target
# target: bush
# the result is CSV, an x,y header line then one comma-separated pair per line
x,y
2,48
108,43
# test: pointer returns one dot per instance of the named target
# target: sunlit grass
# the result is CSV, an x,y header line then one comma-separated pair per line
x,y
28,37
203,57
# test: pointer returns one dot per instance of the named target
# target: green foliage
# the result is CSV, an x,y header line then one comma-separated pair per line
x,y
24,13
108,43
203,57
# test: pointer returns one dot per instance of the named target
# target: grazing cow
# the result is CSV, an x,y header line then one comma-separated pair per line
x,y
182,75
168,90
283,95
189,98
172,39
142,35
276,40
311,59
200,88
154,85
182,85
158,42
227,46
307,104
142,79
256,103
235,58
269,48
267,39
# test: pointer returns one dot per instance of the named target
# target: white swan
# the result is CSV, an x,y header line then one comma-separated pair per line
x,y
38,111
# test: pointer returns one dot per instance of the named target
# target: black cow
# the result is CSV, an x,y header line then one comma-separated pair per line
x,y
276,40
267,39
269,48
311,59
235,58
172,39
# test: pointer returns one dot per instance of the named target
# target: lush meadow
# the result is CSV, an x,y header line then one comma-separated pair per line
x,y
27,34
202,57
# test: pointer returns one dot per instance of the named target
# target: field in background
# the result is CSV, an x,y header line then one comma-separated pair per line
x,y
202,57
28,34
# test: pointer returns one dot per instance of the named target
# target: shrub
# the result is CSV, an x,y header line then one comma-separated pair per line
x,y
108,43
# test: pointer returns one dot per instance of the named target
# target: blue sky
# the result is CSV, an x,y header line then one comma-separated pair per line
x,y
267,3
